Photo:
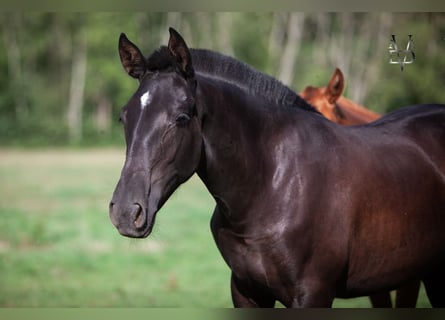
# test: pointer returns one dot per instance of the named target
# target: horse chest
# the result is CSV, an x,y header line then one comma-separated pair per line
x,y
248,259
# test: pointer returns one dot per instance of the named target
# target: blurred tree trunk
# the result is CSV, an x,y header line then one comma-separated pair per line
x,y
103,114
360,58
340,48
200,38
376,31
322,36
438,23
224,29
276,40
291,48
174,20
76,95
11,25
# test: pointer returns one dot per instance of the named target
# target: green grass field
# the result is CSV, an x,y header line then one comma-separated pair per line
x,y
58,247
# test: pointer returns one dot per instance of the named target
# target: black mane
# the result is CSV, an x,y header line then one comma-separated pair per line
x,y
222,67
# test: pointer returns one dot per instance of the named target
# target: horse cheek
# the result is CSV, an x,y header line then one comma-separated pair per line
x,y
189,152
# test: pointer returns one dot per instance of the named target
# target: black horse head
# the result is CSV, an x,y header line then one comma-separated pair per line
x,y
162,133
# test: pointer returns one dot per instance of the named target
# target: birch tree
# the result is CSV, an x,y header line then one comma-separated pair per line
x,y
77,86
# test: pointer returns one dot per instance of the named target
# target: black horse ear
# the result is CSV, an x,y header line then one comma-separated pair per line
x,y
131,58
180,52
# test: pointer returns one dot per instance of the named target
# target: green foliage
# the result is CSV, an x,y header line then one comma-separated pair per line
x,y
37,62
422,81
248,48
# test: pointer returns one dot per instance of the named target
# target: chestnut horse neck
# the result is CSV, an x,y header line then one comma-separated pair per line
x,y
354,113
333,105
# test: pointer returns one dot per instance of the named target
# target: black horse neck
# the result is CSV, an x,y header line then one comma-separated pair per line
x,y
239,133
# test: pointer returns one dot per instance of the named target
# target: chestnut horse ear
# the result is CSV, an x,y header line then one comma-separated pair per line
x,y
131,58
180,53
335,86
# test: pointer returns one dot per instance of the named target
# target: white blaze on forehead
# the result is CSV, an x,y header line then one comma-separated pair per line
x,y
145,99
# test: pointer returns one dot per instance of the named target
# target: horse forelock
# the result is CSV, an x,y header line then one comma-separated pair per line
x,y
160,60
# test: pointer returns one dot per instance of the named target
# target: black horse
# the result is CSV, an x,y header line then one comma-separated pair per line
x,y
307,210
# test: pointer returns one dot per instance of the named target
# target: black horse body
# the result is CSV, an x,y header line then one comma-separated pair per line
x,y
303,210
306,210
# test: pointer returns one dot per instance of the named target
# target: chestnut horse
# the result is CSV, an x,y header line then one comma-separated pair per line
x,y
337,108
306,210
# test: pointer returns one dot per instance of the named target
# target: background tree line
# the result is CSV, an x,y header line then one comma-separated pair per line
x,y
61,81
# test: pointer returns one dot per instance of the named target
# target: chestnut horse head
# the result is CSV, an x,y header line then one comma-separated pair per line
x,y
334,106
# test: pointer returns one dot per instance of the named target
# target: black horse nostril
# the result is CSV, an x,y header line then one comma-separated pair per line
x,y
140,218
112,214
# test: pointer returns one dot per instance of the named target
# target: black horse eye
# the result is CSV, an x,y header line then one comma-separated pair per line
x,y
182,119
122,117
